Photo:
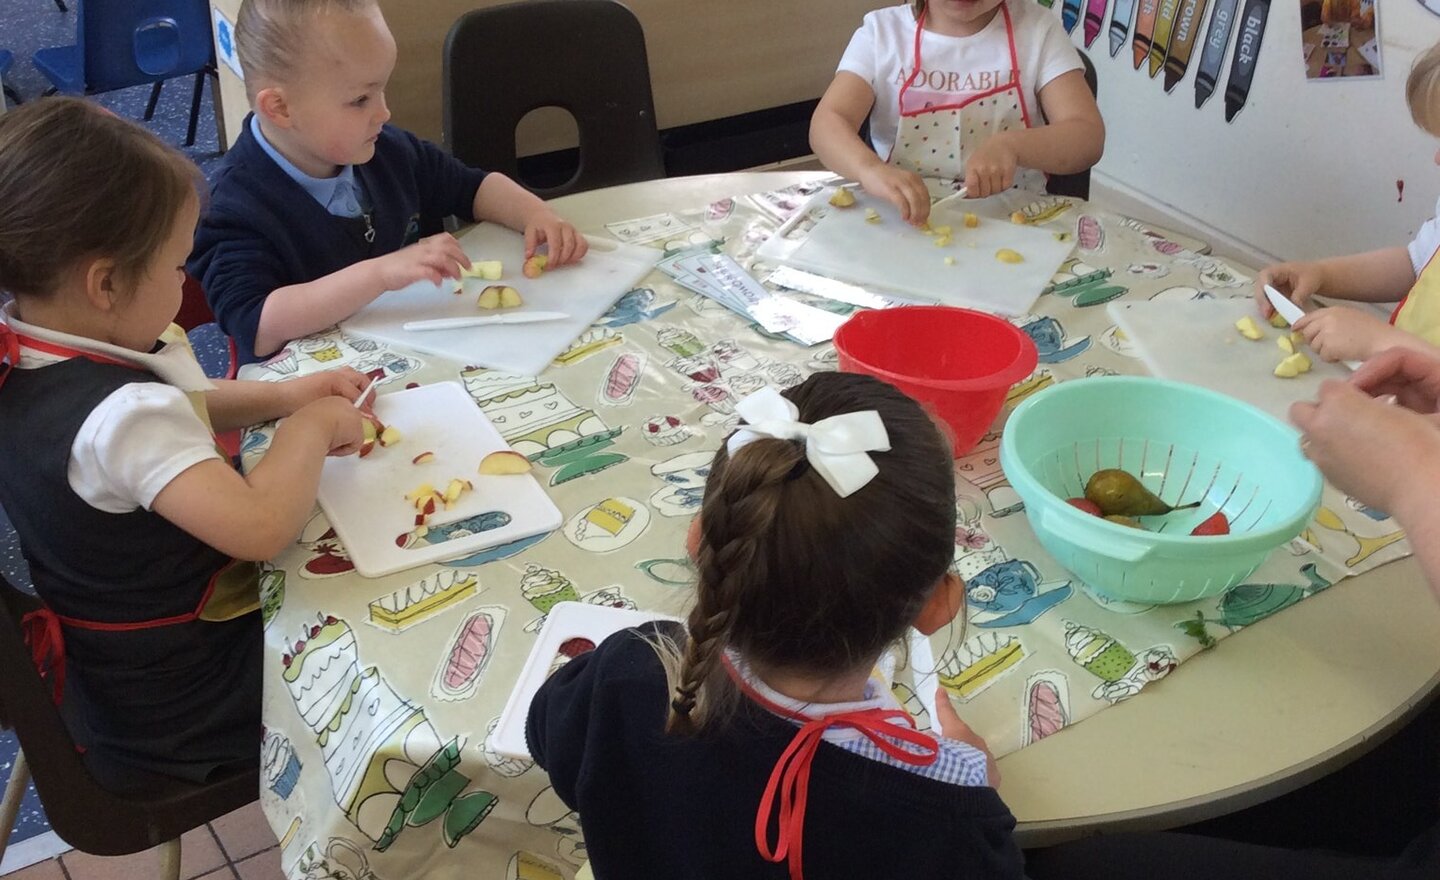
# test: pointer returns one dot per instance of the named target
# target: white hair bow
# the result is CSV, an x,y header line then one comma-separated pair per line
x,y
837,447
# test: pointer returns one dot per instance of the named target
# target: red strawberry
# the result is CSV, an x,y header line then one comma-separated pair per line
x,y
1086,505
1217,524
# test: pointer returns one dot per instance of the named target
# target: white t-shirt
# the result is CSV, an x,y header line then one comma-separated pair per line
x,y
883,49
1426,242
140,437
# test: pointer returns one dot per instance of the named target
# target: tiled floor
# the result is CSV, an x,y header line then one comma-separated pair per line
x,y
239,846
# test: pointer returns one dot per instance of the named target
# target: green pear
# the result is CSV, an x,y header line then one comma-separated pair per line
x,y
1120,494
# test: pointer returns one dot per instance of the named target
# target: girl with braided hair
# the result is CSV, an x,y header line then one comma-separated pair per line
x,y
719,748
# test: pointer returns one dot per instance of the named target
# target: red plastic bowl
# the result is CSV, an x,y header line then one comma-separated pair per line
x,y
958,363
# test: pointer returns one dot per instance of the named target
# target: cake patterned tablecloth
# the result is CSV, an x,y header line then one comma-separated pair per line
x,y
380,692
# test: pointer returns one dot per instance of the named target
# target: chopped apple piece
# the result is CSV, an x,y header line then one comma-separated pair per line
x,y
971,221
489,298
872,215
423,458
370,435
1285,344
1005,255
1278,320
423,491
504,462
943,230
490,270
1248,328
949,261
1293,366
1297,340
535,266
499,296
843,198
455,489
389,436
943,240
510,298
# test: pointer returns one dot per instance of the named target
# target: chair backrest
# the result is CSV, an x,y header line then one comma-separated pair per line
x,y
85,815
129,42
1076,185
584,56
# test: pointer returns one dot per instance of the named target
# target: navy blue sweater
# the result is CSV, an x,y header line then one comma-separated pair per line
x,y
683,808
262,231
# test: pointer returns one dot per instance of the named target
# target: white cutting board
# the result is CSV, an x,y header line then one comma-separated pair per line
x,y
364,498
567,620
1196,341
584,291
893,255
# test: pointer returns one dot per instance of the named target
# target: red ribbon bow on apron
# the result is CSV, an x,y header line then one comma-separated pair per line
x,y
9,350
41,629
789,787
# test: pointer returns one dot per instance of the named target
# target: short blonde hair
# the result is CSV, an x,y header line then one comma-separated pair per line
x,y
1422,90
270,37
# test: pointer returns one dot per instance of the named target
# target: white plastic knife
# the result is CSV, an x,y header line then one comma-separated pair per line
x,y
1292,313
481,320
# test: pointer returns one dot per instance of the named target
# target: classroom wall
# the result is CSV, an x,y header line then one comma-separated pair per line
x,y
707,60
1307,168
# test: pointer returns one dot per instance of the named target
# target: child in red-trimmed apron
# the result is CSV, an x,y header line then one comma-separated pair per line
x,y
988,94
1408,275
133,523
757,740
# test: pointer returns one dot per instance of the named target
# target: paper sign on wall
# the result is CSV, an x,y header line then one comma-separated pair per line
x,y
225,42
1340,38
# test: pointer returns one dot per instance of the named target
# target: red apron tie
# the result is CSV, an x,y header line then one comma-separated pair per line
x,y
9,350
43,636
789,785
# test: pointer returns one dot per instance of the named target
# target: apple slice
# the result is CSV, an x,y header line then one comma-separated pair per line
x,y
843,198
510,298
422,491
389,436
489,298
490,270
535,266
423,458
455,489
370,434
505,461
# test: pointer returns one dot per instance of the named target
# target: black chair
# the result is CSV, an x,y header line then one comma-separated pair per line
x,y
1076,185
584,56
85,815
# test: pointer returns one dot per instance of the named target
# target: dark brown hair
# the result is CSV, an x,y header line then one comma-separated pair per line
x,y
270,39
791,575
77,182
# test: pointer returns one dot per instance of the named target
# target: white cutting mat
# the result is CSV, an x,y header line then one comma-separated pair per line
x,y
364,498
893,255
565,621
1196,342
583,290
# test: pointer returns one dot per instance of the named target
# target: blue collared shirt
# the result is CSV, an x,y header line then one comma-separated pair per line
x,y
340,195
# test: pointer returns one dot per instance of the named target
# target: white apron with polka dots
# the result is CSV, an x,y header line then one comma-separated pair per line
x,y
933,141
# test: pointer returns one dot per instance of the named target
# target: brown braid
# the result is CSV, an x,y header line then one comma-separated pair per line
x,y
795,578
737,513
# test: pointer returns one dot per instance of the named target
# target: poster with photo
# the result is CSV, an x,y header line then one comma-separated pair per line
x,y
1340,39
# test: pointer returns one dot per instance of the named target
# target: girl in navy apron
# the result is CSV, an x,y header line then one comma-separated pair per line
x,y
985,94
757,740
133,523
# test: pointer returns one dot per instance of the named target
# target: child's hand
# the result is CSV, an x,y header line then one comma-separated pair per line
x,y
1343,334
1298,281
951,727
337,417
430,259
564,243
904,189
991,169
344,383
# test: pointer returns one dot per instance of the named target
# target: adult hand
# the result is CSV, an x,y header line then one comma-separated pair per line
x,y
1298,281
951,727
904,189
1383,454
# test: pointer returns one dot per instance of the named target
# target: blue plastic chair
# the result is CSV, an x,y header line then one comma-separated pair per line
x,y
6,59
124,43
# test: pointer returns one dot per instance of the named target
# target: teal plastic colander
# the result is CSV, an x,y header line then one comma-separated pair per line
x,y
1185,444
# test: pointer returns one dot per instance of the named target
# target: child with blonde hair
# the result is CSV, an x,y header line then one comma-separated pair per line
x,y
756,740
988,93
320,206
132,521
1409,274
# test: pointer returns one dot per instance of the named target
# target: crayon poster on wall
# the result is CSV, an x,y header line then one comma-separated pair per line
x,y
1340,38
